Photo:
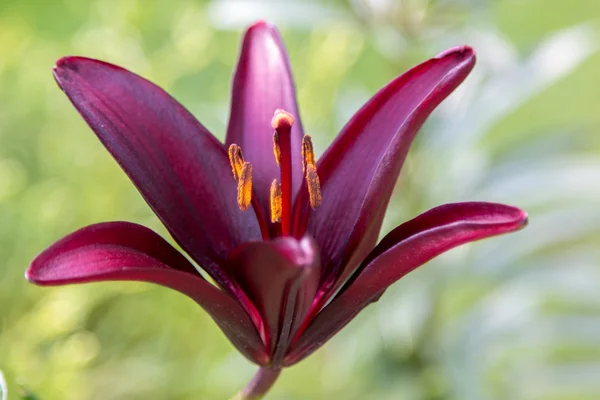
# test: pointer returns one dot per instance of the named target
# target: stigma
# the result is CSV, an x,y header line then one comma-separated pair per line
x,y
282,119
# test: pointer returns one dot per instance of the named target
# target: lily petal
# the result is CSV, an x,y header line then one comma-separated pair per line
x,y
360,168
180,169
123,251
280,278
405,248
263,83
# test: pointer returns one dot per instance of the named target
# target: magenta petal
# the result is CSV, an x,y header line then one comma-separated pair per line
x,y
182,171
123,251
280,278
263,83
405,248
360,168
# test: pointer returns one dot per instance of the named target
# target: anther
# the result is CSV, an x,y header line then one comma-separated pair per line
x,y
276,201
276,148
314,186
282,119
242,173
244,188
309,168
236,159
308,153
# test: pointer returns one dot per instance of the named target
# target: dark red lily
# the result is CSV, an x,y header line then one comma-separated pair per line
x,y
301,261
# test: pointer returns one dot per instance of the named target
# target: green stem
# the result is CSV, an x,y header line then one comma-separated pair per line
x,y
259,385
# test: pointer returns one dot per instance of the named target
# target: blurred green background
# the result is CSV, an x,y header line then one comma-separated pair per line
x,y
515,317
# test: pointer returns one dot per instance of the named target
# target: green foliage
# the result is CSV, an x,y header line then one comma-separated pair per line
x,y
514,317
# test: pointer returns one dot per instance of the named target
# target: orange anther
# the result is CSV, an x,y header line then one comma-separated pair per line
x,y
244,188
236,159
242,173
276,201
308,153
314,186
276,148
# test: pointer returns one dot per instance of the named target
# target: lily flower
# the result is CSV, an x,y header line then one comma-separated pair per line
x,y
291,242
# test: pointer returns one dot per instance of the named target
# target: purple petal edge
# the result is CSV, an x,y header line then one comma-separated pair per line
x,y
405,248
123,251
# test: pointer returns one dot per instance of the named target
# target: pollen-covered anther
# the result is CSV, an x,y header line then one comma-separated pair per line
x,y
308,153
244,188
242,173
276,201
309,168
314,186
276,148
236,159
282,120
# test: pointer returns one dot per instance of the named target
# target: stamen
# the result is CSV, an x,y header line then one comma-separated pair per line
x,y
236,159
314,186
244,187
277,148
308,153
242,173
309,168
276,201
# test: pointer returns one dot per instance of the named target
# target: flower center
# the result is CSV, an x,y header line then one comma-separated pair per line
x,y
281,189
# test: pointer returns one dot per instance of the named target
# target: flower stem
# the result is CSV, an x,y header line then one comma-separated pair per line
x,y
259,385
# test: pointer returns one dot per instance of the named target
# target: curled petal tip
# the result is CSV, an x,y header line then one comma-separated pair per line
x,y
29,276
39,275
261,24
492,214
67,62
65,66
61,62
465,52
262,27
524,219
509,214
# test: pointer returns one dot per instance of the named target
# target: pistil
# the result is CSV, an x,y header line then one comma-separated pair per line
x,y
282,123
